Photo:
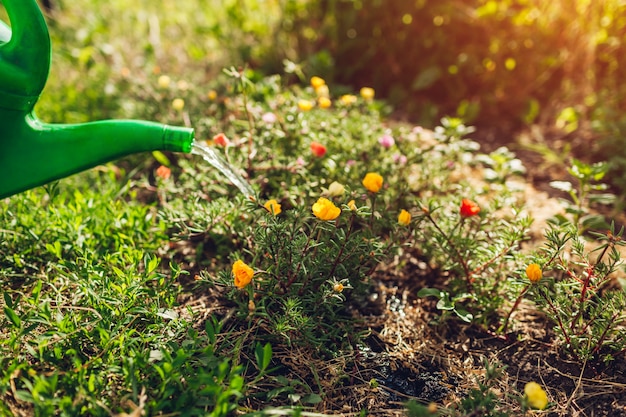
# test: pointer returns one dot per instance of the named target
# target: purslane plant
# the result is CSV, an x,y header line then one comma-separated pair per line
x,y
572,278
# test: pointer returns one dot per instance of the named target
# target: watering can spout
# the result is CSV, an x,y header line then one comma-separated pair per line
x,y
33,153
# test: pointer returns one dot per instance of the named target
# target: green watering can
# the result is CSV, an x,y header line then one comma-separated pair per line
x,y
33,153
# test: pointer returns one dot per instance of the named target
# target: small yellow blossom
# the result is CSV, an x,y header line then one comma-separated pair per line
x,y
404,218
367,93
212,95
182,85
338,287
347,99
537,397
322,91
533,272
178,104
243,274
164,81
335,189
305,105
373,182
324,209
324,102
273,207
317,82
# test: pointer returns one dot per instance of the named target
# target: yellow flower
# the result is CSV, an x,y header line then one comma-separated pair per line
x,y
324,102
404,218
537,397
533,272
324,209
273,207
243,274
335,189
164,81
338,287
212,95
347,99
182,85
178,104
367,93
305,105
352,205
322,91
373,182
317,82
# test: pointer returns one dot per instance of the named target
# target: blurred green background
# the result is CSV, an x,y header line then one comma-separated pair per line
x,y
503,66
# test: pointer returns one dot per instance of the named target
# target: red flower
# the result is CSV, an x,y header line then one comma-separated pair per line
x,y
469,208
318,149
221,140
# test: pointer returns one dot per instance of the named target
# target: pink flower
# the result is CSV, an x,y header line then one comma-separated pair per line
x,y
386,141
269,117
398,158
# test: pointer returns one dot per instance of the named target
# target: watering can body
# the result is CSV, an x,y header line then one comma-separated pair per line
x,y
32,152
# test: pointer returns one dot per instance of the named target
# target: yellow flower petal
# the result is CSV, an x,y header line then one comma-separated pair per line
x,y
373,182
533,272
324,209
367,93
537,397
404,218
243,274
273,207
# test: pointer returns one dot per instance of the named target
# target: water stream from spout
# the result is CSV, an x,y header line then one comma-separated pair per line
x,y
210,155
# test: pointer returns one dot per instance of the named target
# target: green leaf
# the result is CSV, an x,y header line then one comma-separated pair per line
x,y
445,304
160,156
263,356
13,317
464,315
8,300
429,292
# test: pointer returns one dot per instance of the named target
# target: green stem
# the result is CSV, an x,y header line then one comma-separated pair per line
x,y
460,258
504,326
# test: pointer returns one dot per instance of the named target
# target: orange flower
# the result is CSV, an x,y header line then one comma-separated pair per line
x,y
404,218
373,182
318,149
243,274
273,207
469,208
324,209
163,172
221,140
533,272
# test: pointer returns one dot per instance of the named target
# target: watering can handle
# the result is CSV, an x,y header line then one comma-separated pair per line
x,y
24,55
